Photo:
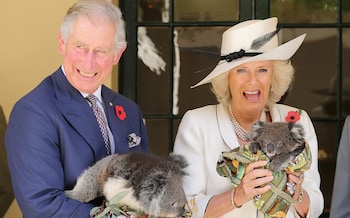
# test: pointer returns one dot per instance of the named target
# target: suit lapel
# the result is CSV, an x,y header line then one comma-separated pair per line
x,y
115,124
78,113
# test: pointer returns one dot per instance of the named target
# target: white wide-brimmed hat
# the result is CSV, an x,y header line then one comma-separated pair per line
x,y
249,41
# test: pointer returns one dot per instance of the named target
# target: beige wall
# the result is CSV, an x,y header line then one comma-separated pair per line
x,y
29,49
29,45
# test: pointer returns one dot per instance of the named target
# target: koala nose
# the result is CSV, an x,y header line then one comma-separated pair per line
x,y
270,147
182,212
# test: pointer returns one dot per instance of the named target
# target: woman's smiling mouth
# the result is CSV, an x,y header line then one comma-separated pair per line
x,y
252,95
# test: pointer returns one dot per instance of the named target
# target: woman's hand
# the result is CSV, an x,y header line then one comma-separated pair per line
x,y
300,196
253,182
295,181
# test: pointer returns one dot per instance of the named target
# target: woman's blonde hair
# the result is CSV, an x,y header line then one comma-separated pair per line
x,y
283,74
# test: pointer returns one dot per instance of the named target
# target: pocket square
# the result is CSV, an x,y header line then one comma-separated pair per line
x,y
133,140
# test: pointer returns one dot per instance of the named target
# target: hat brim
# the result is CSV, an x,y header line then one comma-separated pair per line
x,y
282,52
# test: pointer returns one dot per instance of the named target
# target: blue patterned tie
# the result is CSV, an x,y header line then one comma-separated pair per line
x,y
100,120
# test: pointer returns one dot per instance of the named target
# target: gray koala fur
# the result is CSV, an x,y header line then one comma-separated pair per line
x,y
154,183
280,141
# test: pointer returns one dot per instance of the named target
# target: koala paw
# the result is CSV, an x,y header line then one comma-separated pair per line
x,y
254,147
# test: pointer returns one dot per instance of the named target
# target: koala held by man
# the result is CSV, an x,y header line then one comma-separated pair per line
x,y
154,183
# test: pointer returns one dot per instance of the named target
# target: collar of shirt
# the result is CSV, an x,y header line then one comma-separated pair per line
x,y
97,93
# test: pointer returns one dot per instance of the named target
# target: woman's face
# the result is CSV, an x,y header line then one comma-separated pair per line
x,y
250,85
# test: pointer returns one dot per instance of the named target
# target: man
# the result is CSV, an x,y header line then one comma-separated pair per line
x,y
341,190
53,134
6,194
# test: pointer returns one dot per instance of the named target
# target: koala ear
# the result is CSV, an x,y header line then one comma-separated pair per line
x,y
155,185
290,126
178,161
258,125
256,130
296,131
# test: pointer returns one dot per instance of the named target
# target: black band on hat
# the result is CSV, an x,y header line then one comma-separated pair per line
x,y
238,54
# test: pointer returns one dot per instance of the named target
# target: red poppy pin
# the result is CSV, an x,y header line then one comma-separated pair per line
x,y
293,116
119,111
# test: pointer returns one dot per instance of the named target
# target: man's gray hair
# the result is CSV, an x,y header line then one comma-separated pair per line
x,y
96,11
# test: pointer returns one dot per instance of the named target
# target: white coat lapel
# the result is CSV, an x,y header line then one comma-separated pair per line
x,y
225,126
277,113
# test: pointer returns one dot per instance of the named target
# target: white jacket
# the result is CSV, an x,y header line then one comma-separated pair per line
x,y
207,131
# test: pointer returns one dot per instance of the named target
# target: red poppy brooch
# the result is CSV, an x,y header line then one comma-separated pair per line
x,y
293,116
120,112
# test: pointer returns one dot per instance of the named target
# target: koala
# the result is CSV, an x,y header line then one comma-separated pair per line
x,y
154,183
281,142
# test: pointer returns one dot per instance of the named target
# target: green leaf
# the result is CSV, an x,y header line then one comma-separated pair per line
x,y
116,211
118,197
104,212
94,211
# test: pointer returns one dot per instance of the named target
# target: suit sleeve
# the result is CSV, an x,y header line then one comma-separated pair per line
x,y
341,191
6,193
36,167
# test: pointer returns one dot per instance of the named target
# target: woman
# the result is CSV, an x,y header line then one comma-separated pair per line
x,y
252,76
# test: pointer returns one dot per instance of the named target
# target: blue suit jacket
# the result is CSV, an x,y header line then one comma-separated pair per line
x,y
52,136
341,190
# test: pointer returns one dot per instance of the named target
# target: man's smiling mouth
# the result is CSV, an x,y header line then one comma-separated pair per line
x,y
87,75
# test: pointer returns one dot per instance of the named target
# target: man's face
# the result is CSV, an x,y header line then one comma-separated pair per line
x,y
89,54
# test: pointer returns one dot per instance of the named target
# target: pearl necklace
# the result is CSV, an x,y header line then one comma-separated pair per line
x,y
239,130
